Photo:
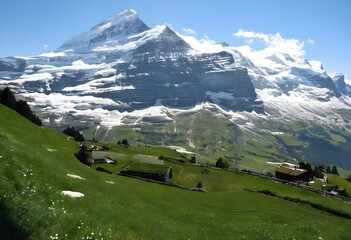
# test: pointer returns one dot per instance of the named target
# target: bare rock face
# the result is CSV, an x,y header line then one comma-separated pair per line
x,y
124,60
339,81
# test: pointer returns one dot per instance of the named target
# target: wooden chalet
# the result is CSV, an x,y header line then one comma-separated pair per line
x,y
292,174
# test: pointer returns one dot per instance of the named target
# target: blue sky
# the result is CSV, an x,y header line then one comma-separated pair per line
x,y
30,27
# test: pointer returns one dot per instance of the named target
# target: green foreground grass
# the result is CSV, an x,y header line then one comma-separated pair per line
x,y
35,163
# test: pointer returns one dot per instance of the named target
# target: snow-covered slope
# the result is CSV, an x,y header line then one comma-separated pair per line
x,y
113,32
121,67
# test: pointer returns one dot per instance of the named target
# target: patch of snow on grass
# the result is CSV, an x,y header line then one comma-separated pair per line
x,y
51,150
72,194
110,182
75,176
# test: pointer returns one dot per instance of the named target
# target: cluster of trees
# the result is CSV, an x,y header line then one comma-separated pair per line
x,y
221,163
333,170
317,171
71,131
8,99
123,142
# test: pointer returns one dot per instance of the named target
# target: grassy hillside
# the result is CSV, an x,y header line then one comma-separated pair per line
x,y
34,166
246,145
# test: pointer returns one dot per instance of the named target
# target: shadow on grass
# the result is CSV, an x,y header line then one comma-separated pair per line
x,y
9,229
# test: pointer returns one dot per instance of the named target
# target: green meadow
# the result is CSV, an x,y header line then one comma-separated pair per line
x,y
37,164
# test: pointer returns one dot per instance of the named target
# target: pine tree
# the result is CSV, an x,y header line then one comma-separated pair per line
x,y
334,170
71,131
302,165
83,155
307,167
8,98
23,108
125,142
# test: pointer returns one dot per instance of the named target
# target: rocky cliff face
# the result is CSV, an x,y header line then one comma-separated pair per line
x,y
123,65
124,60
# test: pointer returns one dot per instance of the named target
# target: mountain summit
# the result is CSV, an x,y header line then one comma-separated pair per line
x,y
115,30
122,65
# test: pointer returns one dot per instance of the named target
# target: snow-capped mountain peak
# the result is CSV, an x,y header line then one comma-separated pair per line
x,y
128,13
126,66
115,29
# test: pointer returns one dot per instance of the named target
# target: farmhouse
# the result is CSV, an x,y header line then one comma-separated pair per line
x,y
149,171
291,173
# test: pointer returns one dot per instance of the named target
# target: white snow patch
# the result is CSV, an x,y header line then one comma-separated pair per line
x,y
110,182
75,176
53,54
78,63
31,78
72,194
277,133
96,86
60,103
106,72
51,150
134,41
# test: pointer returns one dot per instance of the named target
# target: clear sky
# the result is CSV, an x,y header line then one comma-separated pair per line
x,y
30,27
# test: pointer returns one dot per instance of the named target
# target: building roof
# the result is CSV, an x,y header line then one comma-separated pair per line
x,y
148,168
290,171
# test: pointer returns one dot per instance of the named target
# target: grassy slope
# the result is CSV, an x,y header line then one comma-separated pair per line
x,y
32,178
214,136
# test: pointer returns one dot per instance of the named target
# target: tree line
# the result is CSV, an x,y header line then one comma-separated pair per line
x,y
317,171
73,132
8,99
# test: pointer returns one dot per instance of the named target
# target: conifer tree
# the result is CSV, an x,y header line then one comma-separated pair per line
x,y
71,131
8,98
335,170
